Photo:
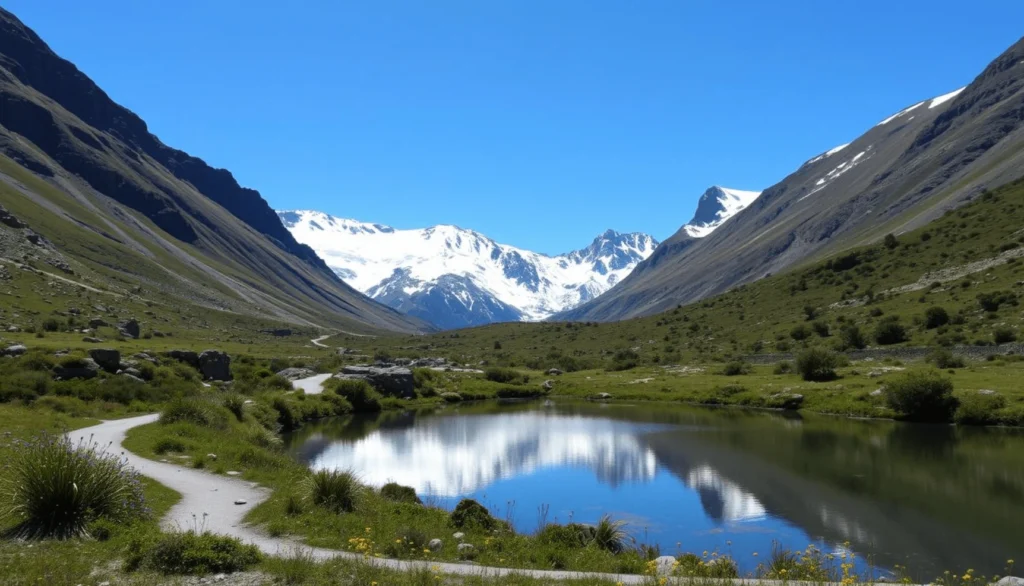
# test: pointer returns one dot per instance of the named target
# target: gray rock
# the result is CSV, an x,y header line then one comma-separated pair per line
x,y
394,381
92,340
1010,581
240,501
877,392
601,397
129,328
14,350
144,356
132,371
664,565
211,457
554,372
13,329
215,365
466,550
187,356
786,400
132,377
548,385
108,358
987,392
435,545
296,373
458,536
97,322
89,370
233,473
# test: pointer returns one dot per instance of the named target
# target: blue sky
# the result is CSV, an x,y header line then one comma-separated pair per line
x,y
537,122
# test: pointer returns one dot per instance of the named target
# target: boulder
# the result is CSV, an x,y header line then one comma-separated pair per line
x,y
786,400
13,329
14,350
987,392
108,358
146,357
554,372
428,363
664,565
92,340
548,385
132,372
88,369
187,356
215,365
293,374
97,322
601,397
129,328
392,381
466,550
1010,581
132,377
435,545
458,536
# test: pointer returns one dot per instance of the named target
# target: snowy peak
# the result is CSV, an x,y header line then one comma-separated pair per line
x,y
717,205
455,277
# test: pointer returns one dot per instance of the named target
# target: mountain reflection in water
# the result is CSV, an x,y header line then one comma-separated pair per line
x,y
931,498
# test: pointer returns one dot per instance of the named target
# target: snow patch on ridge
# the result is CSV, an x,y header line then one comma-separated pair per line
x,y
945,98
717,205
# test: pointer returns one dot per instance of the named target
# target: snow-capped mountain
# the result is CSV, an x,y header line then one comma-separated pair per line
x,y
717,205
454,277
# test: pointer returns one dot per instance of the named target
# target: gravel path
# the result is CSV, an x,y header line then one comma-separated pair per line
x,y
312,385
208,503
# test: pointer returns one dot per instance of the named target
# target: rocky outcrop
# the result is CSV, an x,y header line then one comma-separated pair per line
x,y
129,328
14,350
108,358
391,381
294,374
215,365
86,368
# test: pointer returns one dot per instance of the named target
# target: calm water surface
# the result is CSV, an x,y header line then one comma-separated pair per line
x,y
927,497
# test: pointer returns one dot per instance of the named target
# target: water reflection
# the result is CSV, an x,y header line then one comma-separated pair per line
x,y
452,456
929,497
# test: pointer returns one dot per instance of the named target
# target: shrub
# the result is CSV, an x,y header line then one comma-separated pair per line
x,y
72,361
191,553
194,411
890,241
423,378
236,405
850,336
979,409
451,397
359,393
784,367
497,345
262,437
944,359
165,445
994,300
736,368
335,490
817,364
294,507
51,325
564,536
469,513
25,386
398,493
1004,335
800,332
921,396
610,535
55,489
625,359
890,331
693,566
504,375
821,328
935,317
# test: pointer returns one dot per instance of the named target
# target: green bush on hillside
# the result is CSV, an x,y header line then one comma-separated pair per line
x,y
921,396
736,368
944,359
979,409
817,364
195,411
363,397
505,375
935,317
850,336
1004,335
471,514
890,331
401,494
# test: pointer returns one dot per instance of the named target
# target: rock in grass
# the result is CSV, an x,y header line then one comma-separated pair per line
x,y
293,374
458,536
1010,581
548,385
466,550
15,350
215,365
554,372
108,358
129,328
187,356
665,564
601,397
435,545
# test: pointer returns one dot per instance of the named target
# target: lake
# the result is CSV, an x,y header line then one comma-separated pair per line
x,y
928,497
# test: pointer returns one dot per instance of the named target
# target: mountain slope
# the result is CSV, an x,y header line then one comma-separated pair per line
x,y
900,174
715,206
166,220
455,278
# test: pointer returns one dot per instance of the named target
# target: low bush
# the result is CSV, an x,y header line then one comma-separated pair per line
x,y
262,437
335,490
55,489
505,375
800,332
921,396
191,553
451,397
471,514
736,368
944,359
1004,335
610,535
398,493
850,336
889,331
519,393
694,566
817,364
979,409
570,536
195,411
784,367
359,393
935,317
24,386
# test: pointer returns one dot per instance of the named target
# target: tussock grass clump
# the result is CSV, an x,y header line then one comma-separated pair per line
x,y
817,364
194,411
336,490
398,493
262,437
191,553
921,396
693,566
610,535
359,393
56,488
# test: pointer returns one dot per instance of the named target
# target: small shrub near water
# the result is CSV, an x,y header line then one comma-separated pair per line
x,y
191,553
359,393
610,535
736,368
469,513
921,396
817,364
693,566
398,493
979,409
335,490
56,488
506,375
